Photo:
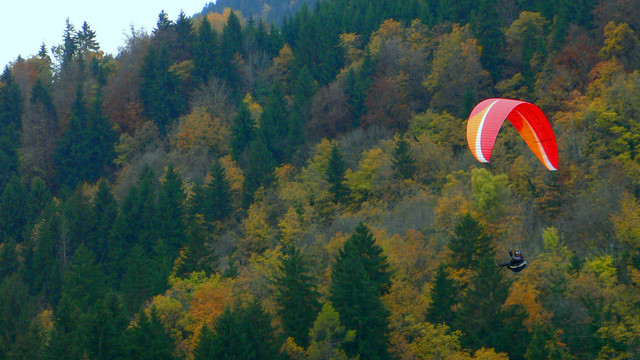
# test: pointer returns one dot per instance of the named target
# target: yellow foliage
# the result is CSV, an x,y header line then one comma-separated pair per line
x,y
233,173
526,294
388,29
258,234
604,268
351,43
256,279
412,257
283,65
619,40
293,351
291,226
218,21
626,222
201,129
207,303
254,108
489,354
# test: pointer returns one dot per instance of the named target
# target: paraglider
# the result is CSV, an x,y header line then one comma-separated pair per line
x,y
486,120
517,262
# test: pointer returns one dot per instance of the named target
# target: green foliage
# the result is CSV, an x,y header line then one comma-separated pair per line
x,y
404,164
359,277
296,296
148,338
328,336
335,175
241,332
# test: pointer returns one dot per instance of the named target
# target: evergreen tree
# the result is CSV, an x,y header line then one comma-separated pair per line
x,y
16,310
8,258
230,45
217,194
138,281
104,212
275,125
38,197
45,275
244,333
355,89
13,211
66,337
204,349
73,154
444,296
335,175
359,278
242,131
205,51
11,109
259,170
195,256
185,37
488,30
171,211
103,137
481,314
84,282
159,89
296,297
404,164
106,328
69,47
469,243
149,339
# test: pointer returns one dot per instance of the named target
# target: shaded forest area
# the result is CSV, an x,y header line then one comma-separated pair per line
x,y
226,187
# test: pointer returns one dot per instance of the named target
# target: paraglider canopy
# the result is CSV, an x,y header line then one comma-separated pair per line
x,y
486,120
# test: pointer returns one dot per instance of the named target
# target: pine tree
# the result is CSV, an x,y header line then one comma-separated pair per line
x,y
138,280
103,137
16,311
335,175
205,51
185,37
359,278
204,349
275,124
159,89
217,194
481,315
296,297
84,282
404,164
242,131
149,339
444,296
171,211
104,212
71,154
13,211
11,109
106,328
259,170
244,332
66,337
45,275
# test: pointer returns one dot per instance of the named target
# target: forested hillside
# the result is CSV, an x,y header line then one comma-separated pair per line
x,y
230,188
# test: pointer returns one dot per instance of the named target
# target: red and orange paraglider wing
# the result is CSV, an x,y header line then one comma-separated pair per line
x,y
486,120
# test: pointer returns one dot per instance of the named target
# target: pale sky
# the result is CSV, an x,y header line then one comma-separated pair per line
x,y
25,24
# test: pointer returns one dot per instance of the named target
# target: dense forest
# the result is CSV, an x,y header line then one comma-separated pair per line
x,y
227,187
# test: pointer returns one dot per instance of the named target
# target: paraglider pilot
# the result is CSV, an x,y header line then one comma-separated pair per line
x,y
517,262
